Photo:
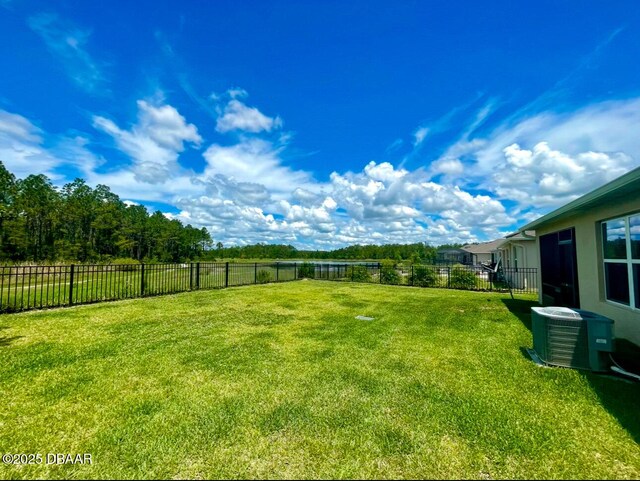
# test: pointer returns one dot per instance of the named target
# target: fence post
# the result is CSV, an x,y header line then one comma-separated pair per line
x,y
226,275
255,274
412,278
352,267
141,279
197,275
70,284
448,276
490,281
277,271
295,271
190,276
380,272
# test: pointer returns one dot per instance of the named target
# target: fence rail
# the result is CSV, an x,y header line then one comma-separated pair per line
x,y
38,287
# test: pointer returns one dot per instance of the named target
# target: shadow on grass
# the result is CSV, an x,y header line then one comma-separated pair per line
x,y
525,353
621,398
6,341
521,308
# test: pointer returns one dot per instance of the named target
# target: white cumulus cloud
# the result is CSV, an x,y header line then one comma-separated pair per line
x,y
154,142
546,177
238,116
257,161
548,158
26,149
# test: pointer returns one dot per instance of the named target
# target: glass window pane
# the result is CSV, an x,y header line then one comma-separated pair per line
x,y
634,227
614,239
565,236
636,283
617,282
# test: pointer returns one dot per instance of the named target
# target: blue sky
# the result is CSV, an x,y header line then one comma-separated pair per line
x,y
325,123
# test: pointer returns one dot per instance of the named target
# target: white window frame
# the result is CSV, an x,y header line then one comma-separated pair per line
x,y
629,261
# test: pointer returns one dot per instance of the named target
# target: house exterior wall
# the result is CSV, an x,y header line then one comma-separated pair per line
x,y
506,255
525,251
482,257
588,244
522,254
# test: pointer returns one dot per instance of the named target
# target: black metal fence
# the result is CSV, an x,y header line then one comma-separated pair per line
x,y
37,287
519,280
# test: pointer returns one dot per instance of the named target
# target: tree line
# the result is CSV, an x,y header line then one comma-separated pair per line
x,y
39,222
77,223
416,253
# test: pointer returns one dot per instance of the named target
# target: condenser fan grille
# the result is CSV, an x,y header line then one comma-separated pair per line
x,y
567,343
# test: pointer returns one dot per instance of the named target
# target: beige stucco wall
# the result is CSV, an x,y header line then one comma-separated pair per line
x,y
526,252
479,258
531,253
590,266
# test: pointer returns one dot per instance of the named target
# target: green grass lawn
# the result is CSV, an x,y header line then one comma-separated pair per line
x,y
281,381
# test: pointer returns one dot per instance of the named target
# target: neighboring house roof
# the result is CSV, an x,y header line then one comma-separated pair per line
x,y
521,236
615,191
484,248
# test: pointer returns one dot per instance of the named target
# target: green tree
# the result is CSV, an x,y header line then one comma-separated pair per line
x,y
76,227
36,206
8,191
78,223
133,231
108,218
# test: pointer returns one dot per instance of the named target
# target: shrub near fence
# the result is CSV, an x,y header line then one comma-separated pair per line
x,y
423,276
389,274
360,274
264,277
37,287
306,270
462,278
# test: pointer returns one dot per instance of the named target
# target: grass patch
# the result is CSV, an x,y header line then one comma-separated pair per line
x,y
281,381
